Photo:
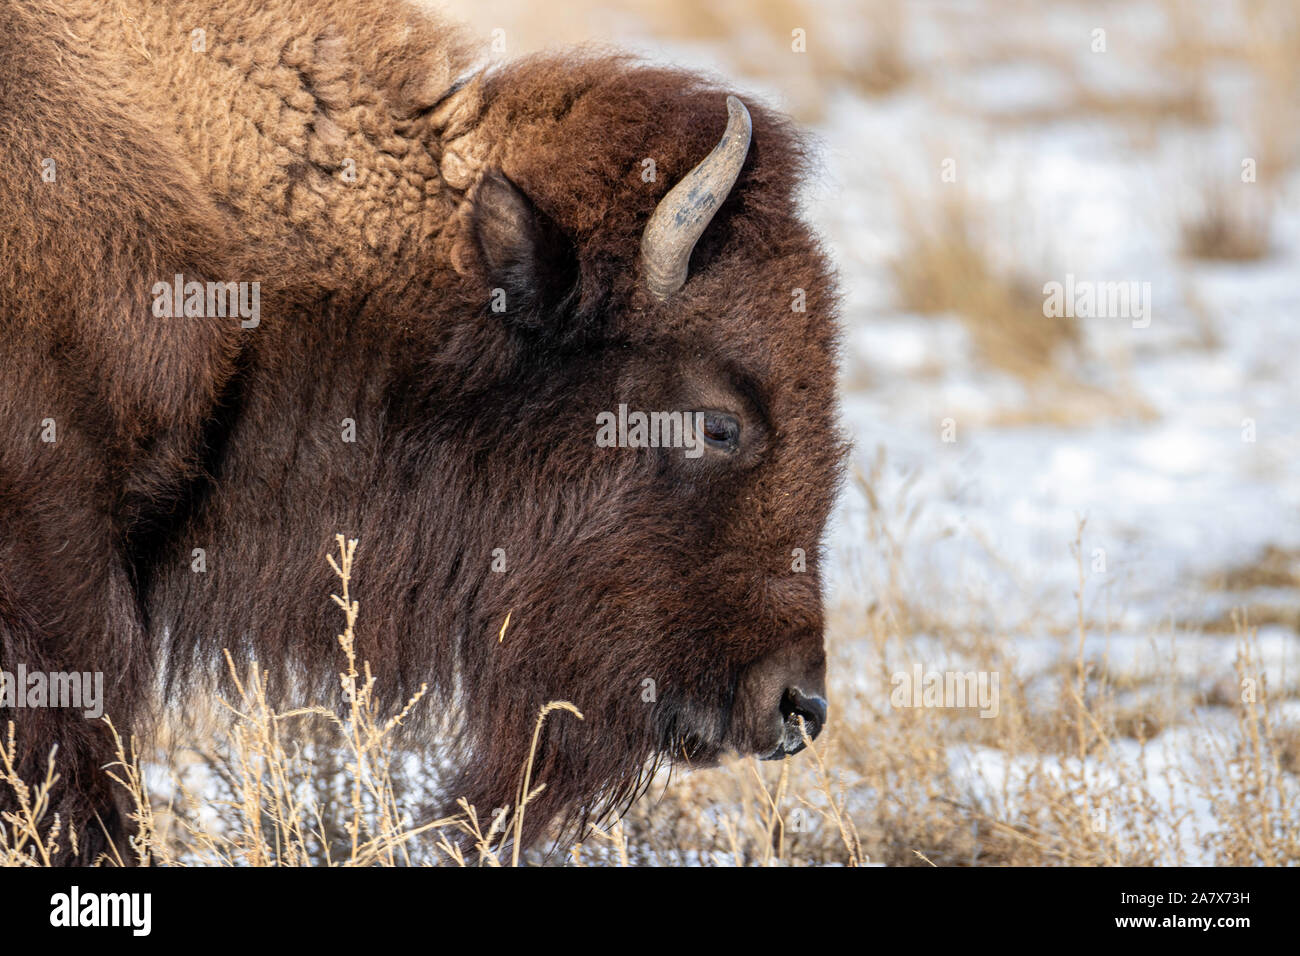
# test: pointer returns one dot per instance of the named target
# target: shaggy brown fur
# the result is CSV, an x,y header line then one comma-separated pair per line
x,y
474,430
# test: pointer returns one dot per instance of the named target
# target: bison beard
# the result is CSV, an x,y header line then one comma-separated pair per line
x,y
386,196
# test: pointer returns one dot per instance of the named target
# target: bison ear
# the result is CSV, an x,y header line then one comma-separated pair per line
x,y
532,266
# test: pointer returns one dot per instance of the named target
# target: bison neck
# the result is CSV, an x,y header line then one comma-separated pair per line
x,y
295,458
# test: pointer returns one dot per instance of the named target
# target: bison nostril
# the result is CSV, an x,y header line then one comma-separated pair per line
x,y
795,703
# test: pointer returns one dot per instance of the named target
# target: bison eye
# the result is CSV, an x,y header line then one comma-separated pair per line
x,y
720,430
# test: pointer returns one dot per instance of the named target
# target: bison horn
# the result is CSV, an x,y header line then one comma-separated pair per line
x,y
682,216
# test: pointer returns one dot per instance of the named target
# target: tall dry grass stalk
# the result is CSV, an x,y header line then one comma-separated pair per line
x,y
23,839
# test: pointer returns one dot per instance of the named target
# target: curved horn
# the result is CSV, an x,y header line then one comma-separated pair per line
x,y
682,216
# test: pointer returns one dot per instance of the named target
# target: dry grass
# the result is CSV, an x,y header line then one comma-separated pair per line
x,y
944,268
1229,223
1272,567
1062,775
1230,220
858,46
1266,49
1264,586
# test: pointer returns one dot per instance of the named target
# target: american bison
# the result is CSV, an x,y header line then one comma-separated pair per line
x,y
276,270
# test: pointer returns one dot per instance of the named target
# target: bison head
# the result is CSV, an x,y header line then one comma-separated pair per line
x,y
674,594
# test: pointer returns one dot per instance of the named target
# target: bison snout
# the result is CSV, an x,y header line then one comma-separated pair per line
x,y
779,699
799,708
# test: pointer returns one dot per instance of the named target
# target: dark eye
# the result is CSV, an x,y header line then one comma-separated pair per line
x,y
720,430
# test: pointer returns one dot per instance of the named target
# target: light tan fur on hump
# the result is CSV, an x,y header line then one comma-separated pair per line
x,y
273,103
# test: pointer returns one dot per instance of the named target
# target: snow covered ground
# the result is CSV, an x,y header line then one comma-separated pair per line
x,y
1192,471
